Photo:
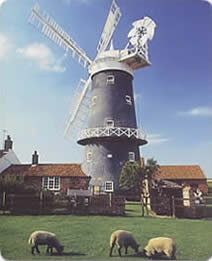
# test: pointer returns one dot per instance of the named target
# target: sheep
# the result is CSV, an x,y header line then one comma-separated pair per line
x,y
161,245
122,238
44,238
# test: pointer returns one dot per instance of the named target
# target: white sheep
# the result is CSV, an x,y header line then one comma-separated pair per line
x,y
122,238
161,245
45,238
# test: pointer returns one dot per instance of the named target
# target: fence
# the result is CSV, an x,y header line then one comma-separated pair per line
x,y
182,208
38,204
107,204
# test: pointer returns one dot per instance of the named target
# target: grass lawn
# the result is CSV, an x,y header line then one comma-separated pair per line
x,y
87,237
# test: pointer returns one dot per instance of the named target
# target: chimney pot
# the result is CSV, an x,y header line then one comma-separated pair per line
x,y
8,144
35,157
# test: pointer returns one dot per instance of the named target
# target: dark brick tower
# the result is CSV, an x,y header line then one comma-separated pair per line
x,y
112,136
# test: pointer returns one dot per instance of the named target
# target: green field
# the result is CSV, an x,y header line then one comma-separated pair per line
x,y
87,237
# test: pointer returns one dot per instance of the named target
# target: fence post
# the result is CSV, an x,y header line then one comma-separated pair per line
x,y
3,200
110,199
173,207
41,202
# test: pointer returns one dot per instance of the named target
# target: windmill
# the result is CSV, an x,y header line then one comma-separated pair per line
x,y
111,136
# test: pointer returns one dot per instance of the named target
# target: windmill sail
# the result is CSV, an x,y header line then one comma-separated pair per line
x,y
54,32
110,26
80,110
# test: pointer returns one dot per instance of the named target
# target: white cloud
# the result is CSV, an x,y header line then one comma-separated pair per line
x,y
198,111
5,46
2,2
209,1
41,54
156,139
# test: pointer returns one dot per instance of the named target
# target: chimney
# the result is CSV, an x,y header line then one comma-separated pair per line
x,y
8,144
35,158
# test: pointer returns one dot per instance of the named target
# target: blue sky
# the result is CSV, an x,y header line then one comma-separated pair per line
x,y
174,95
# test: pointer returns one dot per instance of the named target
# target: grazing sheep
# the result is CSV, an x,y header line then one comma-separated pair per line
x,y
122,238
161,245
45,238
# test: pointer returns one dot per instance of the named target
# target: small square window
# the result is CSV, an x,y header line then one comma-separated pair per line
x,y
110,123
110,79
131,156
109,186
93,100
89,156
128,99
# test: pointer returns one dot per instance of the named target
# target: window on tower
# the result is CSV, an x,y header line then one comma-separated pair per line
x,y
93,100
109,123
110,79
128,99
89,156
131,156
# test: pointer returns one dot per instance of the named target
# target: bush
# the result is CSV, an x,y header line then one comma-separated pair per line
x,y
11,184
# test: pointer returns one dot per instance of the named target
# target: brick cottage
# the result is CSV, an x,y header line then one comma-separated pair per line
x,y
54,177
186,175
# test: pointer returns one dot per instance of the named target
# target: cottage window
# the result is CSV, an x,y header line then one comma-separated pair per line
x,y
51,183
131,156
110,79
109,186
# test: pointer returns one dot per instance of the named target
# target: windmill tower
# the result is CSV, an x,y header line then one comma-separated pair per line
x,y
111,136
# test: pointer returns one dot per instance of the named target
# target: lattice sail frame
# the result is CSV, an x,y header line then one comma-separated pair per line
x,y
109,28
47,26
78,117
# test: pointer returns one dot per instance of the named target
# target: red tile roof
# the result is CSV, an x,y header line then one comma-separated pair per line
x,y
180,172
71,170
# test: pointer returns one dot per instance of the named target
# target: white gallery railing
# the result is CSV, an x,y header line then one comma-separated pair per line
x,y
112,132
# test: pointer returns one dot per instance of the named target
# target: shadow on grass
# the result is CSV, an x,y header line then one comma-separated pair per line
x,y
69,254
155,257
139,254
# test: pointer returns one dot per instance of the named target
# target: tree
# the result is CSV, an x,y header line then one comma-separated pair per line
x,y
131,178
148,170
15,184
137,177
9,183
